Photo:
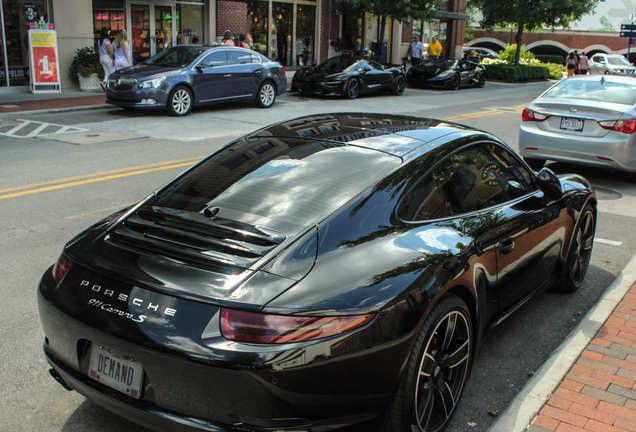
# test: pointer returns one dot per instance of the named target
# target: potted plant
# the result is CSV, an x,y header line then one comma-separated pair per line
x,y
85,69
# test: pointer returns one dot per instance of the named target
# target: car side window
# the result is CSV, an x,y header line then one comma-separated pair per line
x,y
216,58
255,59
240,57
471,179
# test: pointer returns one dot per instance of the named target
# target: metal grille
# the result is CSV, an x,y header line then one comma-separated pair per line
x,y
121,84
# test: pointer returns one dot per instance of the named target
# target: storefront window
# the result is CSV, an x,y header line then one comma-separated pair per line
x,y
282,16
189,23
305,31
257,13
14,57
376,50
140,32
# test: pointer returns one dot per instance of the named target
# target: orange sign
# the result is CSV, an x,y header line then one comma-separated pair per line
x,y
44,60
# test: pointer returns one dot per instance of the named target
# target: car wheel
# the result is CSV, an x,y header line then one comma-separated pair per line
x,y
535,164
266,95
400,85
353,88
457,82
607,73
180,102
436,370
481,81
580,252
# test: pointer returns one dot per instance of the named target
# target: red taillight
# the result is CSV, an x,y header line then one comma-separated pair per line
x,y
283,69
61,267
250,327
625,126
529,115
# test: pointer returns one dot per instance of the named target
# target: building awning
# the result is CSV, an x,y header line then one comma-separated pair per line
x,y
453,15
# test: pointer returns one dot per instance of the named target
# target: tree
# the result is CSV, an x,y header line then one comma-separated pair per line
x,y
397,10
530,14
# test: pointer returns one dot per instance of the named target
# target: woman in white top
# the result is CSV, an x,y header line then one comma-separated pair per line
x,y
106,56
121,58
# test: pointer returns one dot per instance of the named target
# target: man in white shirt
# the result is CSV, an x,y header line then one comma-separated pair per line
x,y
416,51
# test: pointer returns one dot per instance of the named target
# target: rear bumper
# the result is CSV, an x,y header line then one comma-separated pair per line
x,y
612,151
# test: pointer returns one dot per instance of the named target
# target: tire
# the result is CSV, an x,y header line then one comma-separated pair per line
x,y
457,82
481,81
436,371
353,88
180,102
606,73
578,260
266,95
535,164
399,85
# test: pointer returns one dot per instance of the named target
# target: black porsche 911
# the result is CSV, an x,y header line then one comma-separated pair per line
x,y
320,272
446,74
349,76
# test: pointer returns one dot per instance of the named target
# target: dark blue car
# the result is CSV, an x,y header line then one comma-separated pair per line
x,y
181,77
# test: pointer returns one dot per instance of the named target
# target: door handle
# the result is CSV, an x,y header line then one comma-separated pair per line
x,y
227,76
506,247
258,71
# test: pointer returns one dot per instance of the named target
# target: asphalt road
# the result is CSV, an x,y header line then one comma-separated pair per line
x,y
55,183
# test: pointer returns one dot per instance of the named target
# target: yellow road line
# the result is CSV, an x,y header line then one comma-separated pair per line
x,y
93,178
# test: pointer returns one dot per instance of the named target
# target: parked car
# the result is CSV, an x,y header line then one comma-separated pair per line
x,y
182,77
349,76
316,273
446,74
610,64
587,120
480,53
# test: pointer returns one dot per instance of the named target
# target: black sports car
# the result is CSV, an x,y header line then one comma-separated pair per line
x,y
446,74
182,77
349,76
317,273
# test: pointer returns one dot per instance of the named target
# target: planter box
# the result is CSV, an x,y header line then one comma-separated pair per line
x,y
90,83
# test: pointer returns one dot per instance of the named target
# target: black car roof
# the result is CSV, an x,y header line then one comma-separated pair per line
x,y
394,134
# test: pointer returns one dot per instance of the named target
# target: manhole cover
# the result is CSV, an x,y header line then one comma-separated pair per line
x,y
607,194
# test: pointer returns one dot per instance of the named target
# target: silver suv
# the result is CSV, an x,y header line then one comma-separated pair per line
x,y
610,64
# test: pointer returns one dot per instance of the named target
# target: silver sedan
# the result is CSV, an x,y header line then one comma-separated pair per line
x,y
587,120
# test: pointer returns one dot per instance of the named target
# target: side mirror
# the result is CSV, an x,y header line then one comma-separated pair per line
x,y
368,68
549,183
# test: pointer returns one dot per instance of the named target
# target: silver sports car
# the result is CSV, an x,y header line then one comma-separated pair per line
x,y
587,120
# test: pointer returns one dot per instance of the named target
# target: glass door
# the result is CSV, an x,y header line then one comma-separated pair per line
x,y
151,29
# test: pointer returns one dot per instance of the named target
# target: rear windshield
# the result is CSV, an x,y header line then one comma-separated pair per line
x,y
293,180
601,90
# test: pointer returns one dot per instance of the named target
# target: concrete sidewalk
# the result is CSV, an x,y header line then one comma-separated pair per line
x,y
587,384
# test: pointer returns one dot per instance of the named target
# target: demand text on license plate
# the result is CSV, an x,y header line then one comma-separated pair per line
x,y
116,370
572,124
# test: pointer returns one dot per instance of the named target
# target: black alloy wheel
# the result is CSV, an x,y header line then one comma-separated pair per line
x,y
399,86
353,88
580,251
266,95
437,369
457,82
180,101
481,81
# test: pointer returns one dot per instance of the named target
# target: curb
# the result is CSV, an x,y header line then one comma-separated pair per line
x,y
529,401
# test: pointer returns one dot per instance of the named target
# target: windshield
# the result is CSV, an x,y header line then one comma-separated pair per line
x,y
178,57
601,90
618,61
339,64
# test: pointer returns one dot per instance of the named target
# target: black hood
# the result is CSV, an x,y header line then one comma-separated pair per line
x,y
142,71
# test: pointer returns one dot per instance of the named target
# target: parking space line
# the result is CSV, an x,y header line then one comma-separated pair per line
x,y
608,242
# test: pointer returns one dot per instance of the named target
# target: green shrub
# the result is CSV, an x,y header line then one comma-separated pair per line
x,y
546,58
556,70
509,53
506,72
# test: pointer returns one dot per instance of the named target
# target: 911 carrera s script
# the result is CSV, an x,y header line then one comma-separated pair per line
x,y
110,309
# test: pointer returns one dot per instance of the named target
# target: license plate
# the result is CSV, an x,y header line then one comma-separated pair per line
x,y
572,124
116,370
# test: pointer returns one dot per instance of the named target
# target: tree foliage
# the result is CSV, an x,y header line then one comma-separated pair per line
x,y
392,9
531,14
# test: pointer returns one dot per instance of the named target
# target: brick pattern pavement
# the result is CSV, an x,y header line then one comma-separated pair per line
x,y
599,392
52,103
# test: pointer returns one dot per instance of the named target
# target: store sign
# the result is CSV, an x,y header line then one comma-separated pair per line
x,y
30,11
43,58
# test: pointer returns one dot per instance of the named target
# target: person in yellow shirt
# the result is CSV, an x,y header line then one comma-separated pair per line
x,y
435,48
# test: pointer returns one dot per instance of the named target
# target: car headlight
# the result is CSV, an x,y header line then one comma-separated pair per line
x,y
153,83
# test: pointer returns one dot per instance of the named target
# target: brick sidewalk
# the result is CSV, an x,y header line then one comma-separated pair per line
x,y
599,392
52,103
